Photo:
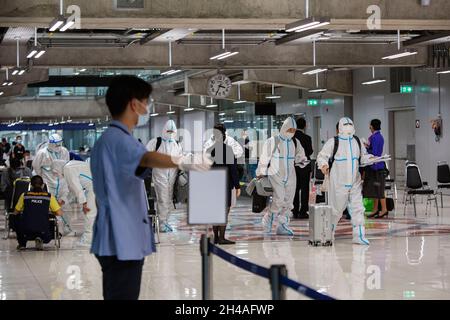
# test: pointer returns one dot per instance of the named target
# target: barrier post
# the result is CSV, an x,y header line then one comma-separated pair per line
x,y
275,273
206,268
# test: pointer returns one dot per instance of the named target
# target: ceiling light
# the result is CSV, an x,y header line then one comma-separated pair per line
x,y
83,70
222,114
40,54
90,124
229,121
241,111
373,80
56,123
57,23
67,25
307,24
314,70
273,96
154,114
239,96
405,53
10,83
69,120
32,52
211,104
188,109
15,71
1,93
170,112
21,72
225,53
443,72
317,90
170,72
400,53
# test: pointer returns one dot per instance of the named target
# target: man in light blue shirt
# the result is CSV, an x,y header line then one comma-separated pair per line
x,y
122,234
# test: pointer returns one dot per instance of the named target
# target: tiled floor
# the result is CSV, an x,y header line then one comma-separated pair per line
x,y
408,258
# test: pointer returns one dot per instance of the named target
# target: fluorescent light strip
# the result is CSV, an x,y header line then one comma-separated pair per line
x,y
222,114
1,93
154,114
311,24
443,72
241,111
273,97
31,54
374,81
15,72
314,71
21,72
170,112
313,27
317,90
10,83
5,83
170,72
240,101
219,55
56,25
212,106
39,54
188,109
400,55
229,121
229,55
67,25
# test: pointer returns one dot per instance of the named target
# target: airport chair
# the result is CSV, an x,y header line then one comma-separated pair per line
x,y
415,186
443,179
20,186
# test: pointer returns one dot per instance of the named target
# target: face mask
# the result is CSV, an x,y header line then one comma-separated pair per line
x,y
169,135
348,130
19,141
54,147
143,118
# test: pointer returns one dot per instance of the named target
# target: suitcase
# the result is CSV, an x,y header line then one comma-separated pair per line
x,y
259,203
320,221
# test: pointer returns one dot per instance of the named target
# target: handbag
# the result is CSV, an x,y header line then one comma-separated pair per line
x,y
264,187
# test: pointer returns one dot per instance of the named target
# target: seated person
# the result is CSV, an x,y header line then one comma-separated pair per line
x,y
34,207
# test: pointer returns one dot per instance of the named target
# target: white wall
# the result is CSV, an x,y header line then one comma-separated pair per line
x,y
375,101
194,124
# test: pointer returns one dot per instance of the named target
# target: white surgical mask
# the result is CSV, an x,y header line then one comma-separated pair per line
x,y
143,118
348,130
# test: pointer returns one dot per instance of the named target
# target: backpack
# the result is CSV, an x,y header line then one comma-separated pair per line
x,y
159,141
336,146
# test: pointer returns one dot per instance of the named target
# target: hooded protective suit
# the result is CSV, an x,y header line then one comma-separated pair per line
x,y
78,177
345,189
42,165
236,146
164,179
278,157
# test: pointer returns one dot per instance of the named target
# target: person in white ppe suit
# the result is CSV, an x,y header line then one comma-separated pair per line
x,y
42,166
236,146
78,177
164,179
345,184
279,156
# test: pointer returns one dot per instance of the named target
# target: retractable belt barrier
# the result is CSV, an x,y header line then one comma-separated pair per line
x,y
277,274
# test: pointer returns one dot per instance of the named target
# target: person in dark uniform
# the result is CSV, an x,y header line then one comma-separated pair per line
x,y
300,210
19,149
223,157
33,207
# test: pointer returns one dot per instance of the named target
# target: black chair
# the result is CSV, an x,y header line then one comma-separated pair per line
x,y
443,179
20,185
415,186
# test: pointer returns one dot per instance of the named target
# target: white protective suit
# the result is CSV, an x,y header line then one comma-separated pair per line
x,y
164,179
236,146
42,164
345,189
78,177
277,162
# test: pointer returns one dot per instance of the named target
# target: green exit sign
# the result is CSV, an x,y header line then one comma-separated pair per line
x,y
312,102
406,88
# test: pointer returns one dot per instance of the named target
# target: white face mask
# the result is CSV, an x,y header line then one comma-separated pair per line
x,y
143,118
348,130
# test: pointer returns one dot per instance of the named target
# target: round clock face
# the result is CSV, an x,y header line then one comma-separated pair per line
x,y
219,86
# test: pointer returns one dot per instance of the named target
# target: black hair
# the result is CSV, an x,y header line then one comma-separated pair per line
x,y
301,123
221,128
337,126
37,183
376,124
122,90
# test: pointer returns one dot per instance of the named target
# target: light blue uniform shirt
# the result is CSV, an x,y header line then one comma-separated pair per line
x,y
122,226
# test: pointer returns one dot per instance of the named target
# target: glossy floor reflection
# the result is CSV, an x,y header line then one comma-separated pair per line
x,y
408,258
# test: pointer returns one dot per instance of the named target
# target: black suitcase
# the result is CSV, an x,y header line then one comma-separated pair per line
x,y
259,203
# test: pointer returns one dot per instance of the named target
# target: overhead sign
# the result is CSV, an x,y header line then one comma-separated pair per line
x,y
406,88
312,102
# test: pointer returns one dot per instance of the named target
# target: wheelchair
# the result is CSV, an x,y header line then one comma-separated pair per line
x,y
21,186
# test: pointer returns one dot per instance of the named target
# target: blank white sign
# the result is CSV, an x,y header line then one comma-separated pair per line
x,y
207,202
